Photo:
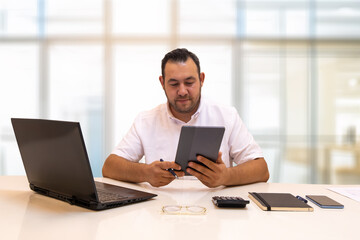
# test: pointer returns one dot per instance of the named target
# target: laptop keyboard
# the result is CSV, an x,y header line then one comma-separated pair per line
x,y
108,196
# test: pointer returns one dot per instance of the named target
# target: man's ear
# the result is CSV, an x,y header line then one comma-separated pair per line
x,y
202,78
161,79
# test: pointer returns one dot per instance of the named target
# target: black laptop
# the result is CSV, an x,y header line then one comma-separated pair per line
x,y
57,165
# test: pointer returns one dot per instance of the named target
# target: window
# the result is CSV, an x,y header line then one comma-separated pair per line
x,y
137,86
18,18
289,67
19,97
66,17
76,93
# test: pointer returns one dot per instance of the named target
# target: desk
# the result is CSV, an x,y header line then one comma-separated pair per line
x,y
27,215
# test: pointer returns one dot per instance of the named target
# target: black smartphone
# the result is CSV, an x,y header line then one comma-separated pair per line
x,y
324,201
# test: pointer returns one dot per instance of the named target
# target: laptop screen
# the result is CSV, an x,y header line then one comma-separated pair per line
x,y
55,157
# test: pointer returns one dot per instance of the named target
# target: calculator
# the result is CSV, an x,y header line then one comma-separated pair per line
x,y
229,202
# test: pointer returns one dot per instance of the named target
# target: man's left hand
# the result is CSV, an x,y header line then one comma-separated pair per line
x,y
215,175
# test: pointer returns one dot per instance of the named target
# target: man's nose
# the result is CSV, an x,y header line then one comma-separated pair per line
x,y
182,90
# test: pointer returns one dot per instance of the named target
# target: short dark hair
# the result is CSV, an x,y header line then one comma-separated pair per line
x,y
179,55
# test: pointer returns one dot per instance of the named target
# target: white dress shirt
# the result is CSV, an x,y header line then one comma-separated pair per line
x,y
155,134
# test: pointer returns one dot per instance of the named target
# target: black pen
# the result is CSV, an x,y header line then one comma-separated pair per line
x,y
170,170
301,199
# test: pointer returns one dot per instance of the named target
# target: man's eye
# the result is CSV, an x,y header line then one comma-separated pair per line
x,y
189,83
174,84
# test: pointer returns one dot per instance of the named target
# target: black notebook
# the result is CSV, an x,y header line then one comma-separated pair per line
x,y
279,202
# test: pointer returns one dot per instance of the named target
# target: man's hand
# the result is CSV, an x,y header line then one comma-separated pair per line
x,y
158,175
215,175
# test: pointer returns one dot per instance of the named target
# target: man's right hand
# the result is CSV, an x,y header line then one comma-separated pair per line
x,y
158,175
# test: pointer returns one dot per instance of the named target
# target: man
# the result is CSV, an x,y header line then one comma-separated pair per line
x,y
155,134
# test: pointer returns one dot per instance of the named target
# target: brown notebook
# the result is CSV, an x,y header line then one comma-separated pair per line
x,y
279,202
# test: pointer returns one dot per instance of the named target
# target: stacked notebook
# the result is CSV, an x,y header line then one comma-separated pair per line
x,y
279,202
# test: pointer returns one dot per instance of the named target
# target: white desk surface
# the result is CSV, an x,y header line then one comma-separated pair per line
x,y
27,215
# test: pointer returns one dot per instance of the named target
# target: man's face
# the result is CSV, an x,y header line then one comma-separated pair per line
x,y
182,87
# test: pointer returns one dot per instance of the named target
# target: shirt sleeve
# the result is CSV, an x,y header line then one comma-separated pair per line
x,y
130,147
242,144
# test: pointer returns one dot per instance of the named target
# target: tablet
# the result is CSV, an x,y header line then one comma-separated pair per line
x,y
194,141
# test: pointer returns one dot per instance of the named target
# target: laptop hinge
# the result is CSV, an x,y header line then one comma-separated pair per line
x,y
73,200
52,194
39,190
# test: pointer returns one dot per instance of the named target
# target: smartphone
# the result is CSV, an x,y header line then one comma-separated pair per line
x,y
324,201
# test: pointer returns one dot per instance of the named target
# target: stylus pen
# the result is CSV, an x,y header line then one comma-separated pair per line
x,y
170,170
302,199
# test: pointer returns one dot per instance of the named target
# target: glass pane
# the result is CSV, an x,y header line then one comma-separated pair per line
x,y
137,85
76,88
340,76
295,157
18,17
275,106
296,23
274,19
74,17
296,88
261,92
262,22
260,96
215,62
141,17
339,82
19,97
339,115
338,20
207,17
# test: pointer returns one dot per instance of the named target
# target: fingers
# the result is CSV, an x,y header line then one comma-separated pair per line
x,y
159,174
219,159
173,166
159,170
204,174
205,179
161,178
196,173
179,173
200,172
159,183
212,174
210,165
166,165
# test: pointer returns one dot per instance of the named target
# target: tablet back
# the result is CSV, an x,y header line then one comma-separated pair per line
x,y
196,140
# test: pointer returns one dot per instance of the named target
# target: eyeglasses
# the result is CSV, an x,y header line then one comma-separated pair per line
x,y
183,210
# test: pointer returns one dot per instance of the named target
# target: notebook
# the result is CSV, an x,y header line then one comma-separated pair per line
x,y
279,202
57,165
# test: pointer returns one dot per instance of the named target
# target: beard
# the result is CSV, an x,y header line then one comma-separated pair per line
x,y
190,106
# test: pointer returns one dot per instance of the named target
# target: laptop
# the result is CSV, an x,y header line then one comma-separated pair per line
x,y
57,165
